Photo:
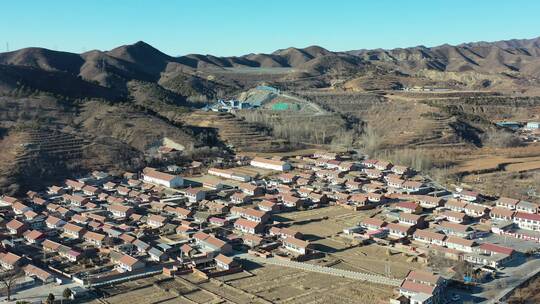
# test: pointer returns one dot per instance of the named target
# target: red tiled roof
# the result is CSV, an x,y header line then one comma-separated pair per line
x,y
496,248
528,216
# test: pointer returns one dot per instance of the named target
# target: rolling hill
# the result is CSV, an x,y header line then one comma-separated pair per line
x,y
107,109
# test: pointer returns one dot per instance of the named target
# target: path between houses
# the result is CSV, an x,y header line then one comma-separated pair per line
x,y
324,270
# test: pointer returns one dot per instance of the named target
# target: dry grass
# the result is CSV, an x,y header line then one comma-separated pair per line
x,y
285,285
322,227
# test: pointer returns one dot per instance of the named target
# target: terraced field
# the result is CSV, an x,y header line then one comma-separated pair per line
x,y
57,145
235,132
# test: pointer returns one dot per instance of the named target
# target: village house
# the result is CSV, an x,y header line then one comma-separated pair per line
x,y
53,222
490,255
373,173
456,229
212,243
157,255
95,238
255,215
272,164
461,244
287,178
16,227
400,170
124,191
410,219
181,213
476,211
455,217
240,198
422,287
268,206
429,237
229,174
372,187
9,260
382,165
352,185
371,223
369,163
429,202
224,262
501,214
128,263
412,186
317,198
409,207
527,221
50,246
195,194
399,231
527,207
34,236
75,185
508,203
36,272
360,202
156,221
248,226
376,197
109,186
78,200
394,182
79,219
120,211
90,190
456,205
151,175
69,254
252,240
284,233
295,245
55,190
470,196
20,208
290,201
73,231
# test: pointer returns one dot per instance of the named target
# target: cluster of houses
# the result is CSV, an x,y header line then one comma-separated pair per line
x,y
139,221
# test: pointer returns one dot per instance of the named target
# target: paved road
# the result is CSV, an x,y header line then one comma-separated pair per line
x,y
324,270
510,279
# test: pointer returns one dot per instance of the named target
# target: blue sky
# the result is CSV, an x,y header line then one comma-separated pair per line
x,y
237,27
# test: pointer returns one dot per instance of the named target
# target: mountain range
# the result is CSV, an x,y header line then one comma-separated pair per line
x,y
516,61
63,113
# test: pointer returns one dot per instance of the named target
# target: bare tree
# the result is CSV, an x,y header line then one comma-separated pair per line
x,y
9,278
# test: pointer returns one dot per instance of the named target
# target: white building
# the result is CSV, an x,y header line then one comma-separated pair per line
x,y
527,221
532,125
271,164
168,180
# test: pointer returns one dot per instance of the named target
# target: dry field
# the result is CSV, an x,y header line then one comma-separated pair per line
x,y
510,172
322,226
285,285
265,285
501,160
